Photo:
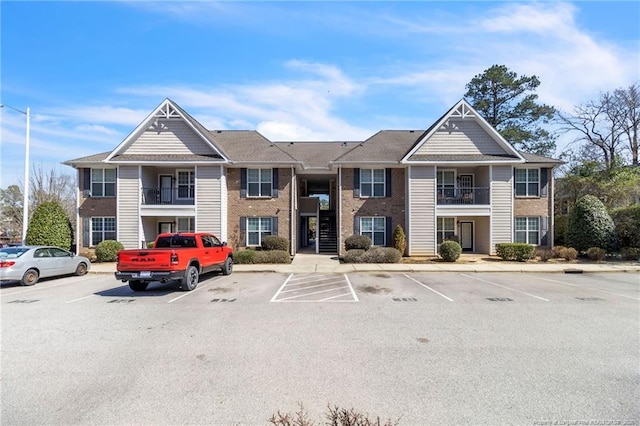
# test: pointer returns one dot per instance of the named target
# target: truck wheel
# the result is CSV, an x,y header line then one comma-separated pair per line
x,y
30,277
227,268
136,285
190,280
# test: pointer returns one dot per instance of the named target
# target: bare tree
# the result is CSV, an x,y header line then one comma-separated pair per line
x,y
11,209
628,102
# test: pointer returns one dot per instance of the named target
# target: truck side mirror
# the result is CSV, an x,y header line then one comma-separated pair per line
x,y
224,244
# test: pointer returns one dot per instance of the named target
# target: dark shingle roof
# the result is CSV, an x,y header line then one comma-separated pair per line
x,y
534,158
95,158
316,155
245,146
385,146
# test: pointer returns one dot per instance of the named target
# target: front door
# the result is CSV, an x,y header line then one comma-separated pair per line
x,y
466,236
166,183
165,227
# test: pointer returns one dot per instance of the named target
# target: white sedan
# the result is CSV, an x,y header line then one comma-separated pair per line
x,y
28,264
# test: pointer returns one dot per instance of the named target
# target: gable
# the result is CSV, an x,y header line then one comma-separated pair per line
x,y
463,136
167,131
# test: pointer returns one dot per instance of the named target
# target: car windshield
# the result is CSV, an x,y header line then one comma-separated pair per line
x,y
12,252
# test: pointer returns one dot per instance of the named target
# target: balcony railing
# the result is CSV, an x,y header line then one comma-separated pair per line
x,y
463,196
167,196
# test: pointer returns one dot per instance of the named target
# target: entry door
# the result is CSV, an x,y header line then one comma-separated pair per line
x,y
165,227
466,236
165,189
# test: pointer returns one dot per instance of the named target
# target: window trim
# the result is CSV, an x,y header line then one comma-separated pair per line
x,y
373,229
373,183
92,243
260,182
441,232
191,224
442,187
102,182
527,230
261,233
526,182
190,185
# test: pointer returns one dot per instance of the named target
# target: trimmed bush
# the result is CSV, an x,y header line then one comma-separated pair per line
x,y
627,223
353,256
450,251
244,257
273,242
381,255
544,254
107,250
590,225
49,226
399,239
566,253
631,253
596,253
361,242
515,251
89,254
273,257
151,244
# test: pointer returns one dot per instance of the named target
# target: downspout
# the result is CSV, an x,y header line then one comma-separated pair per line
x,y
293,215
78,238
339,210
550,223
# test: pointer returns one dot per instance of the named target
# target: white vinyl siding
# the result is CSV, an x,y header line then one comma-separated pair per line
x,y
209,196
461,136
372,182
128,216
103,182
174,136
527,230
501,205
375,229
422,186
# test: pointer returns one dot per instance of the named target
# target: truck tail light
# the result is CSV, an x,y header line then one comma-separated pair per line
x,y
174,258
7,264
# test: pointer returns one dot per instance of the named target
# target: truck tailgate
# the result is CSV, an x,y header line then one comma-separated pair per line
x,y
144,260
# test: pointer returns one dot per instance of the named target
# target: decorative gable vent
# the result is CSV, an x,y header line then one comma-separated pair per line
x,y
167,111
463,111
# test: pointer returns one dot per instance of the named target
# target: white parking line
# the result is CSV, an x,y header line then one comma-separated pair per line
x,y
200,287
275,296
428,288
304,288
37,287
589,288
508,288
81,298
301,284
353,292
309,294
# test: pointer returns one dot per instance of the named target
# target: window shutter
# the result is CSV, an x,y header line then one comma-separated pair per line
x,y
243,231
274,184
387,182
243,183
356,225
388,231
356,183
274,225
86,229
543,182
86,183
544,240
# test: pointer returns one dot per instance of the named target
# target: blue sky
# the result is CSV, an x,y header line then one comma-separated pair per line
x,y
91,71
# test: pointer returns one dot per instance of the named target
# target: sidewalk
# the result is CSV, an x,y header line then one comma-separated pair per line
x,y
307,263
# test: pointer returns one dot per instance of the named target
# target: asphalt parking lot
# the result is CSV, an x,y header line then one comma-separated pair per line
x,y
428,348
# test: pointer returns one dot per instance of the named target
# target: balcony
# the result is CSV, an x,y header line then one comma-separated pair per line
x,y
167,196
463,196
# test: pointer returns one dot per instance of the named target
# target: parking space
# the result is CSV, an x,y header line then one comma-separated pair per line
x,y
314,287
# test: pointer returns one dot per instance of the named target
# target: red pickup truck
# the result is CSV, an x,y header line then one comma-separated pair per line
x,y
178,257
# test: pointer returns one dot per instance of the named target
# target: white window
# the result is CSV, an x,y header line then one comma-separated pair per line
x,y
186,224
103,182
102,228
527,230
259,182
446,228
374,228
446,183
527,182
186,184
372,182
257,228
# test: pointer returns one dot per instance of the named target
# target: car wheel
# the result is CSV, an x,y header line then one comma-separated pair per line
x,y
81,269
227,268
136,285
190,280
30,277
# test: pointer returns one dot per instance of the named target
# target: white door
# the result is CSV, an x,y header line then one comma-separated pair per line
x,y
466,236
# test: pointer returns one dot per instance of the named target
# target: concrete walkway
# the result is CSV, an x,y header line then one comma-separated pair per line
x,y
307,263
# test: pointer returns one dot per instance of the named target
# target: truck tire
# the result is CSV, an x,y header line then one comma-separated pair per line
x,y
136,285
227,267
190,280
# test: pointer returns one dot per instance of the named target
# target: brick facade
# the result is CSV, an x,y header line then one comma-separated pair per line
x,y
92,207
393,206
238,206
